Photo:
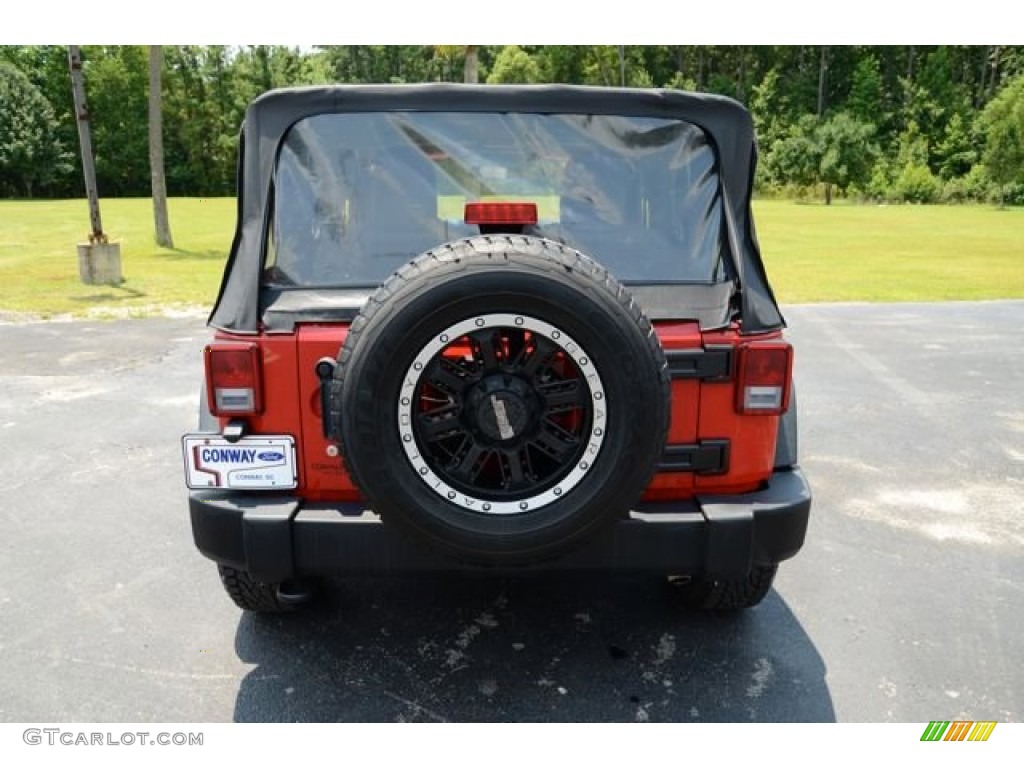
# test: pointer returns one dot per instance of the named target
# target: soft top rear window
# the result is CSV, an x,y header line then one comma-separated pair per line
x,y
356,195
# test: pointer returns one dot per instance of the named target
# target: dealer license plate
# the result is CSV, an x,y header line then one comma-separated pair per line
x,y
263,462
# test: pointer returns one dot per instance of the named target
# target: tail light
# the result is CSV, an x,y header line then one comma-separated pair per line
x,y
501,213
233,379
764,373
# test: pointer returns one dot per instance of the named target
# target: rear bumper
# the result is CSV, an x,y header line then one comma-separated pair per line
x,y
280,537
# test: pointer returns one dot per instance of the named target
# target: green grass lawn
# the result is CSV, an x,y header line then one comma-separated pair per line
x,y
812,252
39,260
891,253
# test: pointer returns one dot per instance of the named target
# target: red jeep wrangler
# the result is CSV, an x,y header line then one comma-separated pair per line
x,y
511,328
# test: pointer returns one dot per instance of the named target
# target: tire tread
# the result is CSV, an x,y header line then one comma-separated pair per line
x,y
728,595
250,594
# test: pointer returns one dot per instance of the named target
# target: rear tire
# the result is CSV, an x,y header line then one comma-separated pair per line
x,y
260,597
724,595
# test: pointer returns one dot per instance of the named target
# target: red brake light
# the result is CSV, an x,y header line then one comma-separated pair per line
x,y
233,379
501,213
763,377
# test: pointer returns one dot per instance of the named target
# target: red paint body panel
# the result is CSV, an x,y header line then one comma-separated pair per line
x,y
682,428
280,414
700,411
322,476
751,441
751,436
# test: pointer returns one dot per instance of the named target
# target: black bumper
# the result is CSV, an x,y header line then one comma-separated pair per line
x,y
276,538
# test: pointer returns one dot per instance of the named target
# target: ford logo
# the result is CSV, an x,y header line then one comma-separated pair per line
x,y
270,456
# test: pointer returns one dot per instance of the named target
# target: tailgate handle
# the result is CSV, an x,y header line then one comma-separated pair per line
x,y
711,363
325,372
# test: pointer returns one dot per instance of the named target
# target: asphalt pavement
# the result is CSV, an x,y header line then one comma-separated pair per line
x,y
904,605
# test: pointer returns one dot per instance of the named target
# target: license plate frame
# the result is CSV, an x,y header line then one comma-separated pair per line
x,y
251,463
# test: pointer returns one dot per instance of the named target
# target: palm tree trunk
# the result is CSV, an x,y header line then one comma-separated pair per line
x,y
156,149
471,69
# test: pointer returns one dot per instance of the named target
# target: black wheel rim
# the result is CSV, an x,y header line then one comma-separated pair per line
x,y
505,416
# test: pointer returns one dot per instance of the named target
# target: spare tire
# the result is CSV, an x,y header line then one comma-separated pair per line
x,y
501,398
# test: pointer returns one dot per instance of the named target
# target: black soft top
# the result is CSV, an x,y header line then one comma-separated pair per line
x,y
726,123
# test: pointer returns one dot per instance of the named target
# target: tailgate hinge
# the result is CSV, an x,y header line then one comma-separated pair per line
x,y
708,457
325,373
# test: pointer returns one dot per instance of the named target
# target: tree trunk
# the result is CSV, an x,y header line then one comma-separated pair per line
x,y
828,193
622,66
471,70
82,118
993,78
156,149
741,75
822,80
596,50
986,57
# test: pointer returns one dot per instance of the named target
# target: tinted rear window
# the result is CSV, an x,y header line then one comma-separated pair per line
x,y
356,195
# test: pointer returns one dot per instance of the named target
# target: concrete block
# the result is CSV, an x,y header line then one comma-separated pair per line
x,y
100,263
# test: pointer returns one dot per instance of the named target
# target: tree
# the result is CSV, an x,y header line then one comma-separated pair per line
x,y
47,67
1003,125
866,98
156,149
560,63
916,97
923,111
118,80
913,180
846,152
916,184
446,62
822,80
795,158
956,153
514,65
769,110
836,152
31,154
205,90
912,146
